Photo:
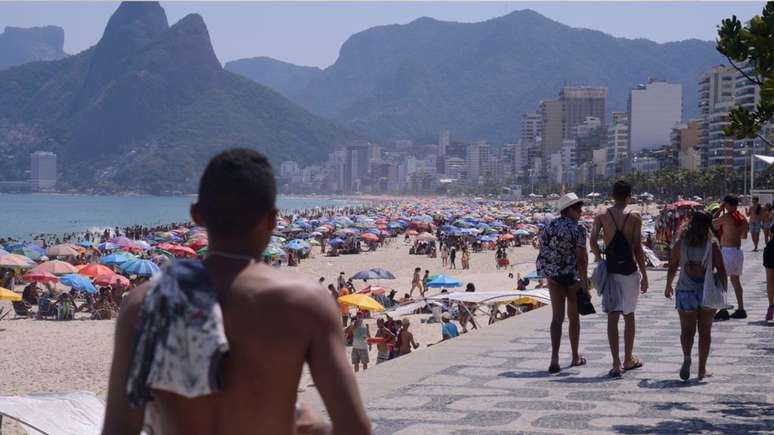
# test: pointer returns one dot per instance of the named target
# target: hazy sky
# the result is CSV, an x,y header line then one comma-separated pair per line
x,y
312,33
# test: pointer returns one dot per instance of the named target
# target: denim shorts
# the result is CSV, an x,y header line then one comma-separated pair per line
x,y
690,299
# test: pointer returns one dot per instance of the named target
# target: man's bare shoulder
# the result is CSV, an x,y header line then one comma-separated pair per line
x,y
131,303
635,216
261,282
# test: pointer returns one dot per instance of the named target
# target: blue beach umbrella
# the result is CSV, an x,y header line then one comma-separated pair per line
x,y
86,244
108,246
336,241
78,282
297,245
140,268
532,275
112,259
444,281
28,252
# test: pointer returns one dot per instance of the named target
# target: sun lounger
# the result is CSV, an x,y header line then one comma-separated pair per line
x,y
21,310
77,413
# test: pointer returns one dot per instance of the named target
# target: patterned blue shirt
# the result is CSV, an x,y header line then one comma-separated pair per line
x,y
559,242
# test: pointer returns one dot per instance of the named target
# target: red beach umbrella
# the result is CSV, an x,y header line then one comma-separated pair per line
x,y
43,277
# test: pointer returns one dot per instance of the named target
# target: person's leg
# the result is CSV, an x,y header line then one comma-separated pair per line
x,y
629,332
738,291
613,339
770,285
755,238
687,332
574,324
705,340
558,296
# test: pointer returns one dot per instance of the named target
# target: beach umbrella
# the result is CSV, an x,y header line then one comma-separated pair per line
x,y
336,241
55,267
202,252
361,301
182,251
93,270
370,236
142,244
4,252
506,236
521,232
443,281
426,237
112,279
373,290
297,245
86,244
61,251
121,241
8,295
140,267
117,258
78,282
43,277
365,274
108,246
532,275
382,273
15,260
32,254
164,253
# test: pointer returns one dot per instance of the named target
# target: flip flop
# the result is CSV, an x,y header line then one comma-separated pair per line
x,y
614,373
706,374
581,361
554,368
637,364
685,370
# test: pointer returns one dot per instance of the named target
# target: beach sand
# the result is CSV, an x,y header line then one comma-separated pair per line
x,y
51,356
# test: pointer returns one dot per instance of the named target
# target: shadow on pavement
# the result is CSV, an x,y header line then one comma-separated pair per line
x,y
532,375
654,384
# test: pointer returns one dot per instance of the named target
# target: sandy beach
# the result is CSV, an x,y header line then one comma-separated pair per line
x,y
53,356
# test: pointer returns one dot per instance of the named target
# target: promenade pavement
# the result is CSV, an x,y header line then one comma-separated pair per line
x,y
495,380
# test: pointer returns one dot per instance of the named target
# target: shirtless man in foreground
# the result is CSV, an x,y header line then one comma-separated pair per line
x,y
732,228
261,371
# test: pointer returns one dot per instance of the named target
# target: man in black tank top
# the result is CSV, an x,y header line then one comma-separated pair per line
x,y
623,256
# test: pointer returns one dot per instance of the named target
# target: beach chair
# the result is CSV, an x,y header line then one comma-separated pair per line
x,y
21,310
4,313
65,311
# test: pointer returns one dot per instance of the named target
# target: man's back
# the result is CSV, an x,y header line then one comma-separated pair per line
x,y
615,218
274,322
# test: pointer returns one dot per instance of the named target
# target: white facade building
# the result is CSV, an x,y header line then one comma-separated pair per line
x,y
42,170
654,108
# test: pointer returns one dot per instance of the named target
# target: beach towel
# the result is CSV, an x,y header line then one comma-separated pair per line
x,y
180,341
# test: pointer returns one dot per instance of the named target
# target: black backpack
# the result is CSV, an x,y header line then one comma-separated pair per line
x,y
618,254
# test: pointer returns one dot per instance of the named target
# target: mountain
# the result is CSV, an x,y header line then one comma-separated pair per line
x,y
476,79
146,107
19,45
286,78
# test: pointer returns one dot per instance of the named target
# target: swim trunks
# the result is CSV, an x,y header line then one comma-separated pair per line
x,y
733,259
626,289
755,227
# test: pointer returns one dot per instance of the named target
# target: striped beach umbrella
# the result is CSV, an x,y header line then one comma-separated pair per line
x,y
140,268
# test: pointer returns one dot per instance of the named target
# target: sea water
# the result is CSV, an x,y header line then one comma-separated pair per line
x,y
24,215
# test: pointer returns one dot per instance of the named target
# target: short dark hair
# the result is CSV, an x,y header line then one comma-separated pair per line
x,y
731,200
622,190
236,190
755,198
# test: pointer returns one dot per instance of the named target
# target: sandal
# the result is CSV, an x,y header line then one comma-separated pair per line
x,y
554,368
637,364
614,373
706,374
685,370
581,361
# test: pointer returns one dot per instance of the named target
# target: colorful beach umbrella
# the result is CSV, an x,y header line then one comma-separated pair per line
x,y
93,270
181,251
140,268
15,260
117,259
444,281
78,282
361,301
43,277
61,251
7,295
56,267
112,279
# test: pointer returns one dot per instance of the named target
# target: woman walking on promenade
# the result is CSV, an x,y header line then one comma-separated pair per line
x,y
696,254
564,261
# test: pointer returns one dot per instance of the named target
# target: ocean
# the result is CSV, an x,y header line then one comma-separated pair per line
x,y
24,215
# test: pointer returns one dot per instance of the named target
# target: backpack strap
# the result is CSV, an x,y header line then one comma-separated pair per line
x,y
613,219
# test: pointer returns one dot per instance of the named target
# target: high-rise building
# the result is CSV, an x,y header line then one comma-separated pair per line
x,y
552,127
685,141
356,168
476,160
589,136
531,127
580,102
42,170
654,109
617,144
443,142
716,97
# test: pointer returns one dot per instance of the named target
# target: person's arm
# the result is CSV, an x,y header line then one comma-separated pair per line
x,y
413,343
120,418
639,253
582,257
745,229
674,261
717,260
593,240
332,374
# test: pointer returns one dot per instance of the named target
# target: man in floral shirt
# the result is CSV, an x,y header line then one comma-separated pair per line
x,y
563,260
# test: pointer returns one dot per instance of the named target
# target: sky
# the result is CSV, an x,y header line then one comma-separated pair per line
x,y
311,33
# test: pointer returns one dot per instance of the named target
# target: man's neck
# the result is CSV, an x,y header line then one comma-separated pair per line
x,y
236,248
619,205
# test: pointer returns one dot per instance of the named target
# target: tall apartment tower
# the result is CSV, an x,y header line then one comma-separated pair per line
x,y
552,126
42,170
654,109
531,127
716,98
443,142
579,103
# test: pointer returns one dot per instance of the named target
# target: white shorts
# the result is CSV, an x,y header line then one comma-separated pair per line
x,y
733,259
629,288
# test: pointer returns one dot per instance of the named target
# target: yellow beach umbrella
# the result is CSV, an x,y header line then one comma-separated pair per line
x,y
7,295
364,302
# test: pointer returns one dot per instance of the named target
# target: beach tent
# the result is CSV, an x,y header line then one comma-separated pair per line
x,y
406,309
488,298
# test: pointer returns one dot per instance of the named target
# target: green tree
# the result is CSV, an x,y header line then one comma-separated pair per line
x,y
751,44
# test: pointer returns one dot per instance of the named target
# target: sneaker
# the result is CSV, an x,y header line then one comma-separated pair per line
x,y
722,315
770,314
739,314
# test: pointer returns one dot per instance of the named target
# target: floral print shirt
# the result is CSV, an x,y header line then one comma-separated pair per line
x,y
559,241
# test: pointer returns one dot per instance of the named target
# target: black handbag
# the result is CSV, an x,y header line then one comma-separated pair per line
x,y
585,307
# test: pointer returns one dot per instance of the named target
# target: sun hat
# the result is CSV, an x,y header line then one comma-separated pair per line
x,y
446,316
568,200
